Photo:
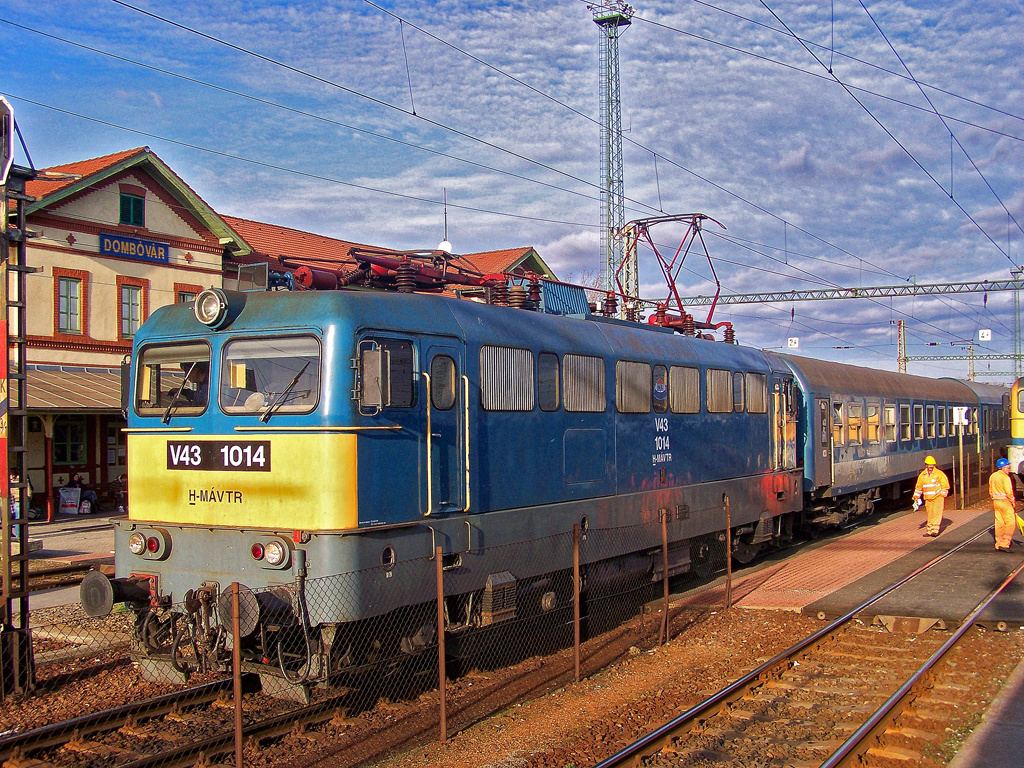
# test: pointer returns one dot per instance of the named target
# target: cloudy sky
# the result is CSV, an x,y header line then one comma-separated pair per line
x,y
354,119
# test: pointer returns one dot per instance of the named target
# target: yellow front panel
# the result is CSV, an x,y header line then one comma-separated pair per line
x,y
310,485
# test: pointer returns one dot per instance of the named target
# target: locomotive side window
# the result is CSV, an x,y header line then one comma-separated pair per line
x,y
930,422
837,423
161,385
738,399
757,393
547,381
660,391
386,370
506,379
684,389
719,391
889,427
918,422
270,375
855,422
940,421
873,422
442,382
904,422
632,387
583,380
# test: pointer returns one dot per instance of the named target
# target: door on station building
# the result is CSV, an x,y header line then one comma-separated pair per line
x,y
822,442
444,428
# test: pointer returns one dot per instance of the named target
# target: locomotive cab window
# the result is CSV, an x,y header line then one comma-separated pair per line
x,y
172,380
270,375
442,382
386,371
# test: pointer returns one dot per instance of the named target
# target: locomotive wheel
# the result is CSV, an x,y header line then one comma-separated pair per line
x,y
744,552
702,561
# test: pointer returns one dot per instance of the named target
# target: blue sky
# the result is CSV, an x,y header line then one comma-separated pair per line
x,y
724,112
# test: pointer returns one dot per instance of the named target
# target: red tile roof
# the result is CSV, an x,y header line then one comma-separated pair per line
x,y
272,243
42,187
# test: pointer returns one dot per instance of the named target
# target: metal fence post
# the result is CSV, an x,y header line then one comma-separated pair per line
x,y
728,551
236,671
576,598
663,632
442,672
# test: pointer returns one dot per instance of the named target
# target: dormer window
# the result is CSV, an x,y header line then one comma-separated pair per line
x,y
133,210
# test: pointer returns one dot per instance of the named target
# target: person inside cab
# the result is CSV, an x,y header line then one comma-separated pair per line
x,y
196,389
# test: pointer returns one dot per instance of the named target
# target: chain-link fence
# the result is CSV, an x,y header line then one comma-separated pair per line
x,y
380,659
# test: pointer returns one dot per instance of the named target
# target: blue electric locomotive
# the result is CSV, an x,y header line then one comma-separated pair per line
x,y
354,431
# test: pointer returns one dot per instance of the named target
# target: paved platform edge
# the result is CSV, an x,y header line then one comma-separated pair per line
x,y
999,741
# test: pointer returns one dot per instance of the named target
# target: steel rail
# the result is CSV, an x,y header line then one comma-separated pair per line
x,y
109,719
659,738
849,750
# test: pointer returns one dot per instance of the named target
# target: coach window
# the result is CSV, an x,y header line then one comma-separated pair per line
x,y
930,422
547,381
940,421
160,385
632,387
268,375
855,422
837,423
442,382
919,422
904,422
719,391
506,379
757,393
684,389
583,384
659,393
889,423
873,425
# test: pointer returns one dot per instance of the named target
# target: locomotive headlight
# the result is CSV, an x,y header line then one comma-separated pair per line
x,y
275,553
136,543
211,306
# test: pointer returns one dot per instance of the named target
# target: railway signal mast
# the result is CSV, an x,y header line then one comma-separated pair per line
x,y
613,17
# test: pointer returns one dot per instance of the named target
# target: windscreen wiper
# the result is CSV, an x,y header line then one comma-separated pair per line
x,y
279,400
177,393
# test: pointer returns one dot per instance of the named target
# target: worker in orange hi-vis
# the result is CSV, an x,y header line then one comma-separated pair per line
x,y
933,487
1004,506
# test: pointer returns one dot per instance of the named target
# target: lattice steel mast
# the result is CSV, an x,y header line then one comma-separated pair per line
x,y
613,18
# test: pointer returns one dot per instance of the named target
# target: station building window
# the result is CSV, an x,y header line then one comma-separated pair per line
x,y
69,305
719,390
133,210
69,436
133,296
684,389
506,379
632,387
583,381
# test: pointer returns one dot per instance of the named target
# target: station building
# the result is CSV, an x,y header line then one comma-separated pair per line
x,y
116,237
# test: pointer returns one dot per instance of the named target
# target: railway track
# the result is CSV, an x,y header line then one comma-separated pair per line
x,y
843,696
42,579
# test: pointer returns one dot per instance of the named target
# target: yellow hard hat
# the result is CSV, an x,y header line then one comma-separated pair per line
x,y
929,460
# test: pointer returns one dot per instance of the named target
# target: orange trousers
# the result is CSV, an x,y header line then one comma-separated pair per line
x,y
1005,522
933,508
